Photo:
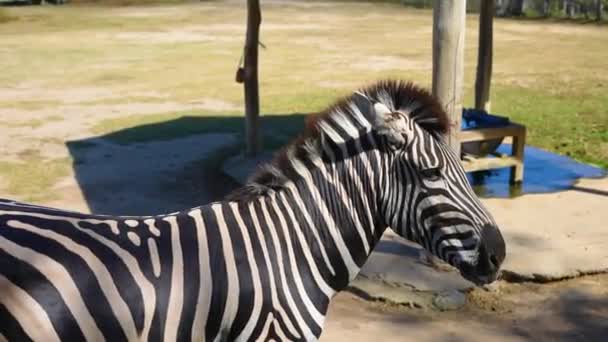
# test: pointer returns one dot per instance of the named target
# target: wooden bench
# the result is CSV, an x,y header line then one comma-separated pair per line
x,y
498,160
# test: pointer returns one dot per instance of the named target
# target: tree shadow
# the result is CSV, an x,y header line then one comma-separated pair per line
x,y
575,315
590,190
539,19
166,166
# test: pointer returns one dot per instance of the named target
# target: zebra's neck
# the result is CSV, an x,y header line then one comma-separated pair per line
x,y
329,215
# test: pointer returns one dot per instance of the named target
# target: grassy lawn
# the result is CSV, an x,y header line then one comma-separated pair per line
x,y
102,69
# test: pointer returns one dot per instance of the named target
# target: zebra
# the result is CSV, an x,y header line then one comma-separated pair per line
x,y
264,263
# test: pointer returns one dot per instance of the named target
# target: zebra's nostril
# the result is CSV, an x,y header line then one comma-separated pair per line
x,y
494,261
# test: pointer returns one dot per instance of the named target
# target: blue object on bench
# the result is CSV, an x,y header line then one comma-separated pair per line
x,y
474,119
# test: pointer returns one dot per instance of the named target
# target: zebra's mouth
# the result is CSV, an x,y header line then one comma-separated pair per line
x,y
480,280
469,272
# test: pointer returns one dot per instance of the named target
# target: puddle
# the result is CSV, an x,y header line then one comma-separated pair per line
x,y
543,172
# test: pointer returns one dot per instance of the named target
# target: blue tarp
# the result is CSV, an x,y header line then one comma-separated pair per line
x,y
543,172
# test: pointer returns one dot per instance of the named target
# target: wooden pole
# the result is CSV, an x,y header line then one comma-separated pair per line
x,y
484,56
448,61
250,77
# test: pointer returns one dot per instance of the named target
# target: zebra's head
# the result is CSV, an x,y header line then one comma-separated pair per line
x,y
426,196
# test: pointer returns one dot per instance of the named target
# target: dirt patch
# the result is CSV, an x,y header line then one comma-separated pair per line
x,y
215,105
57,124
488,301
379,63
337,84
282,27
151,11
573,310
28,91
172,36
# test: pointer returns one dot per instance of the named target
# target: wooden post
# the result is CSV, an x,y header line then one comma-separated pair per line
x,y
448,61
484,56
250,77
517,150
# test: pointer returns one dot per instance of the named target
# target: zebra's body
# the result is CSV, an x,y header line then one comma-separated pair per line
x,y
262,265
160,278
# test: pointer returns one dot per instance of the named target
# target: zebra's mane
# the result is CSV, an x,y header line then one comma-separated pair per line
x,y
347,119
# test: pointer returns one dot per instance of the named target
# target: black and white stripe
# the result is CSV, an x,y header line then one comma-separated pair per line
x,y
263,264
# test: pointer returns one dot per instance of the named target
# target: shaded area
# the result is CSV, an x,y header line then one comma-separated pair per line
x,y
579,316
572,310
543,172
166,166
175,164
277,129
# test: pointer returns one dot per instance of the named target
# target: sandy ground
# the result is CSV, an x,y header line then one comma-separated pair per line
x,y
572,310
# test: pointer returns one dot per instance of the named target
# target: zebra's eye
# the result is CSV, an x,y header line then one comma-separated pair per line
x,y
432,174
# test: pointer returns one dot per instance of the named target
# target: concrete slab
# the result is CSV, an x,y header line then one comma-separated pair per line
x,y
558,235
241,167
398,261
403,273
146,178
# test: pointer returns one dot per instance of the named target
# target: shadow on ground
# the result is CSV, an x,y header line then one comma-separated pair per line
x,y
166,166
575,315
171,165
574,310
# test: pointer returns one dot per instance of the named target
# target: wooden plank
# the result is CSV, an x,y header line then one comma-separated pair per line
x,y
250,77
490,133
448,61
488,163
484,55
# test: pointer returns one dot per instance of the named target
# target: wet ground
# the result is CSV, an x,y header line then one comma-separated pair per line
x,y
544,172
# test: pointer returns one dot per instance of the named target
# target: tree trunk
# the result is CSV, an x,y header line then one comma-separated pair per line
x,y
448,61
569,8
546,8
516,7
484,56
583,8
250,77
500,8
599,10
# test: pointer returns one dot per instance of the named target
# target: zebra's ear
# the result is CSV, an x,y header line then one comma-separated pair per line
x,y
365,106
393,124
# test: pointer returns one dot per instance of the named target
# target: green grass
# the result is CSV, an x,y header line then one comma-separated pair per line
x,y
576,126
32,178
5,17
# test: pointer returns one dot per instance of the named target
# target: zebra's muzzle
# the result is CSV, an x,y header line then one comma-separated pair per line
x,y
491,254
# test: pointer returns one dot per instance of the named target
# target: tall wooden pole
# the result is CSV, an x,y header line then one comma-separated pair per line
x,y
484,55
250,77
448,61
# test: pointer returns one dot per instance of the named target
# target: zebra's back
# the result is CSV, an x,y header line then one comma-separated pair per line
x,y
71,276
